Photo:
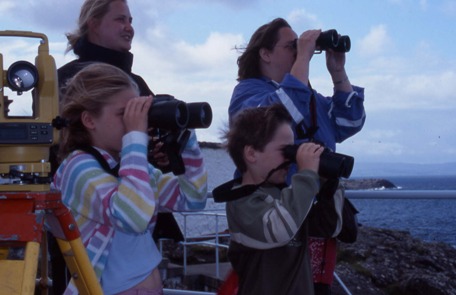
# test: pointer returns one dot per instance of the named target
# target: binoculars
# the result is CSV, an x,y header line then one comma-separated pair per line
x,y
331,40
169,113
332,165
170,120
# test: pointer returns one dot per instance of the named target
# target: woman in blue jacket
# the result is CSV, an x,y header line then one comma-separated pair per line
x,y
274,68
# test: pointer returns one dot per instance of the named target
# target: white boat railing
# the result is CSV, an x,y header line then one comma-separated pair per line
x,y
401,194
205,239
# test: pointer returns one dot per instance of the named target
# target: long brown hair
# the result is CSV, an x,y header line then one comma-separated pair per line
x,y
265,36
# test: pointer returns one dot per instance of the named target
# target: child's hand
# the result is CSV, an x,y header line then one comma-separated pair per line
x,y
308,156
136,113
157,157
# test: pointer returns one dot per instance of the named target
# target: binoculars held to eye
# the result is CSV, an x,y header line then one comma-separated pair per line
x,y
169,113
170,120
332,165
331,40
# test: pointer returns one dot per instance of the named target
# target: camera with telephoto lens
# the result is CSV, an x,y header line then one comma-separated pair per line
x,y
330,39
170,120
332,165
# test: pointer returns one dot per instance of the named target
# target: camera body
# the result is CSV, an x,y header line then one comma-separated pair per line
x,y
332,165
330,39
170,120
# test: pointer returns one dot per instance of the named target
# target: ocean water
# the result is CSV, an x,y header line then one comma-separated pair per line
x,y
430,218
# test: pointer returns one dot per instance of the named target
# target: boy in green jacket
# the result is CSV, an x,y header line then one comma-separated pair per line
x,y
266,218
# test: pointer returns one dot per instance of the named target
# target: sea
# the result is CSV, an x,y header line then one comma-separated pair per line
x,y
422,203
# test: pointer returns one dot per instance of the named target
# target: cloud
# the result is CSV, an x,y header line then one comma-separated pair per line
x,y
376,42
426,91
192,72
7,7
47,15
213,59
300,18
405,135
216,51
11,45
417,78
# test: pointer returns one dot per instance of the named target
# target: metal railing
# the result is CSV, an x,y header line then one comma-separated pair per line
x,y
204,239
401,194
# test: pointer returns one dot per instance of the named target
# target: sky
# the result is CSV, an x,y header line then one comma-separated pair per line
x,y
403,53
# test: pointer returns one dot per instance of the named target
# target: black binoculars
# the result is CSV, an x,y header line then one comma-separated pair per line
x,y
170,120
331,40
332,165
169,113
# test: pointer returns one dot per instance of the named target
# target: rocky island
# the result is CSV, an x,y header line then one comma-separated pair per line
x,y
368,183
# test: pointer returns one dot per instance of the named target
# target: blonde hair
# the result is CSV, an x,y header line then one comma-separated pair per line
x,y
91,9
89,90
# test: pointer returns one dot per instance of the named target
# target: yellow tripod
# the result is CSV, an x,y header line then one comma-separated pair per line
x,y
23,218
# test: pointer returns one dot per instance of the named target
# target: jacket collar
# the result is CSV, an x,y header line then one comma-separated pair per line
x,y
88,51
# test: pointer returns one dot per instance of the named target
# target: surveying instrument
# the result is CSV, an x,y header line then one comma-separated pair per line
x,y
28,205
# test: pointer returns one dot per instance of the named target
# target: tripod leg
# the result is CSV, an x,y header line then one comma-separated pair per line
x,y
63,226
18,276
82,272
44,282
60,274
31,255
